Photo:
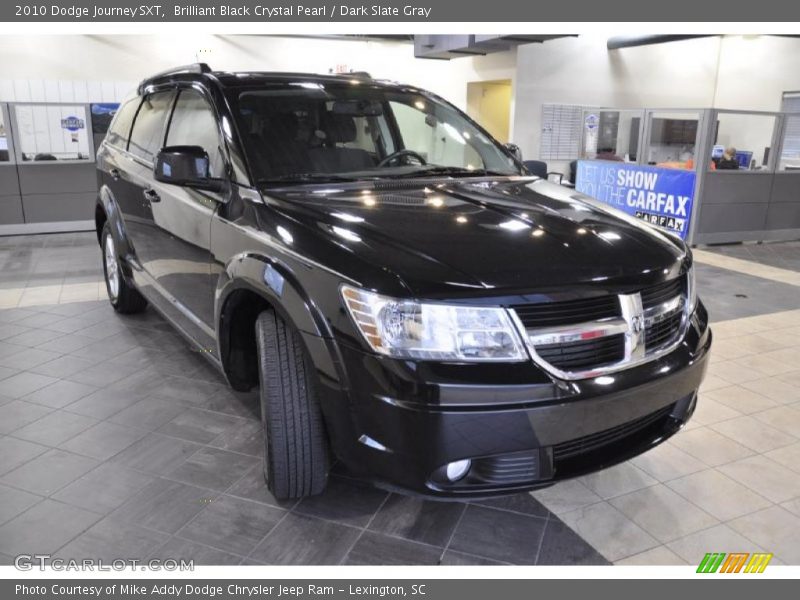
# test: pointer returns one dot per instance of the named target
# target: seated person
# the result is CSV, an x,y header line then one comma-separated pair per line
x,y
728,161
608,154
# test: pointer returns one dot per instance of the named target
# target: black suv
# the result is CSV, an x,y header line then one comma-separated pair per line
x,y
409,300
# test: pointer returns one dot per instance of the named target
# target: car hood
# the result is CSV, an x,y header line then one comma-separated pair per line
x,y
514,234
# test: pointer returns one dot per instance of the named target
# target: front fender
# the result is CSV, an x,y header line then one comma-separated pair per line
x,y
284,293
108,204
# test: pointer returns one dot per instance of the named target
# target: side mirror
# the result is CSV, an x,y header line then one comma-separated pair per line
x,y
515,151
186,166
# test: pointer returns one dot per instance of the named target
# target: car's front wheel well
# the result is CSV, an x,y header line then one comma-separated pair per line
x,y
239,352
100,219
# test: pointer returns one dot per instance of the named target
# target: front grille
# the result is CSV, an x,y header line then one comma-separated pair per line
x,y
662,332
585,354
507,468
662,292
575,337
549,314
595,441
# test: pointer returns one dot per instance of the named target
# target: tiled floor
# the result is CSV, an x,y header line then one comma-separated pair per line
x,y
117,441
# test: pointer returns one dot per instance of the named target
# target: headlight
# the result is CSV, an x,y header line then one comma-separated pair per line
x,y
692,289
409,329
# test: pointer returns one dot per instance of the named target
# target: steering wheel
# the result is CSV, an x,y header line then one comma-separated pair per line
x,y
400,154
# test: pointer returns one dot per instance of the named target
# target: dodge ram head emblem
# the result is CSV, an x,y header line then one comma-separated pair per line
x,y
637,324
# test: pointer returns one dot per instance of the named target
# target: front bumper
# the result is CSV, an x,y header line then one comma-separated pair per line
x,y
520,428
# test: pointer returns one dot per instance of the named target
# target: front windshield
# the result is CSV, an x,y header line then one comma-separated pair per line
x,y
342,131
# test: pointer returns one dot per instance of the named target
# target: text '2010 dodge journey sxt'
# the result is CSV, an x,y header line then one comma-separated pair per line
x,y
407,298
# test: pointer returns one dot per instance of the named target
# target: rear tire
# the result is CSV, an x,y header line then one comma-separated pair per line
x,y
296,456
123,297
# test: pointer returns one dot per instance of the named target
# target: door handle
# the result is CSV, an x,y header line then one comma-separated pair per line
x,y
151,195
115,174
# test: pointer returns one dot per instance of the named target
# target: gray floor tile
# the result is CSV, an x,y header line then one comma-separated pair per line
x,y
44,528
418,520
301,540
10,330
245,439
35,337
345,502
378,549
179,549
49,472
17,414
562,546
14,452
499,535
164,505
156,454
24,383
5,373
60,394
104,488
103,374
14,502
232,525
63,366
55,428
213,469
27,359
103,403
459,559
253,486
200,426
150,413
103,440
110,539
66,344
522,503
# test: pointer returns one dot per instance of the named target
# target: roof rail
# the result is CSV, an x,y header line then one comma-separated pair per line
x,y
355,75
197,68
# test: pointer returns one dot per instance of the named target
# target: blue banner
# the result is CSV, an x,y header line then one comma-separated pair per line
x,y
660,197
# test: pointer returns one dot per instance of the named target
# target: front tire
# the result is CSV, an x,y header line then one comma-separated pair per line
x,y
123,297
296,456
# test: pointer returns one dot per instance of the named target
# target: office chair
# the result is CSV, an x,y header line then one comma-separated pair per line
x,y
536,167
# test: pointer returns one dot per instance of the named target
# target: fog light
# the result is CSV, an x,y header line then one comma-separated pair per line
x,y
456,470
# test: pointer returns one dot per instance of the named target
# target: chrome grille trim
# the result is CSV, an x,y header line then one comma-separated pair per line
x,y
634,325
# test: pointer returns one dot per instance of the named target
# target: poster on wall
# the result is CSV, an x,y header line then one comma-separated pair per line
x,y
660,197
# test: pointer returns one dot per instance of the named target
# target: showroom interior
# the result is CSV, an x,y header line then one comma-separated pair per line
x,y
118,440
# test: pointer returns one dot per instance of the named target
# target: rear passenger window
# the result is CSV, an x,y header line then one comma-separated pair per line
x,y
121,125
194,124
148,130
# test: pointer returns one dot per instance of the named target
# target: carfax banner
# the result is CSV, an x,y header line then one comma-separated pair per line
x,y
661,197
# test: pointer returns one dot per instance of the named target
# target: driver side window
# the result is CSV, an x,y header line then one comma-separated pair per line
x,y
194,124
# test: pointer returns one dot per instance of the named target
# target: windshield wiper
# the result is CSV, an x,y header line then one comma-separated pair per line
x,y
300,178
449,171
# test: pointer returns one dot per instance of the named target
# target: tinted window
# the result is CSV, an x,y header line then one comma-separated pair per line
x,y
148,129
297,130
121,125
194,124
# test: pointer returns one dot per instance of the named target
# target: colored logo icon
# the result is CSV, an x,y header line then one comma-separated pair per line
x,y
736,562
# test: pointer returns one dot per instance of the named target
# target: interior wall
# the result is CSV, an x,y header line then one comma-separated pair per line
x,y
738,72
489,103
129,58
